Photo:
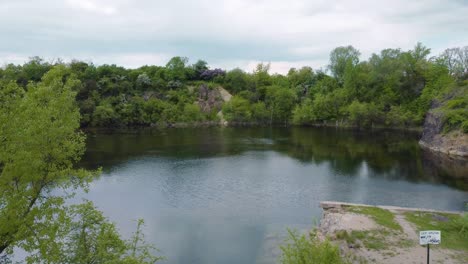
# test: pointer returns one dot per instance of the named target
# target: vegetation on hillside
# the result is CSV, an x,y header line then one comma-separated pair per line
x,y
393,88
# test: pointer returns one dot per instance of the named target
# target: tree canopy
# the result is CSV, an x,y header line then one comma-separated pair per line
x,y
40,144
397,86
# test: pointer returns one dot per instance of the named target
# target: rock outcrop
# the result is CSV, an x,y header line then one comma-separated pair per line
x,y
212,99
433,137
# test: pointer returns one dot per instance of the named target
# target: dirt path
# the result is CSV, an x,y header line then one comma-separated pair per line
x,y
400,246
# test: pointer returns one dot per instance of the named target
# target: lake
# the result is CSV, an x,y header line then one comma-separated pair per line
x,y
227,195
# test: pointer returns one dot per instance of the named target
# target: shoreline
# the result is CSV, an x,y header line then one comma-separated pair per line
x,y
249,125
390,234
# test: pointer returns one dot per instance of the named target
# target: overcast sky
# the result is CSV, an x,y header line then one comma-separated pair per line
x,y
225,33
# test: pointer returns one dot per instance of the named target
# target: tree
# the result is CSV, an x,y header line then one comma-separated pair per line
x,y
104,115
363,114
176,70
143,81
280,102
236,81
456,60
340,57
39,145
34,69
237,110
198,68
262,78
85,236
301,80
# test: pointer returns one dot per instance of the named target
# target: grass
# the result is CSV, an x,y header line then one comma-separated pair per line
x,y
453,227
380,216
308,249
371,239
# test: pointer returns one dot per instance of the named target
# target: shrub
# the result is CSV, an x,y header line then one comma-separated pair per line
x,y
307,249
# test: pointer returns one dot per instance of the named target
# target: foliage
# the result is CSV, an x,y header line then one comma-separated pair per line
x,y
394,88
303,249
83,235
455,110
363,114
237,110
280,103
342,58
39,146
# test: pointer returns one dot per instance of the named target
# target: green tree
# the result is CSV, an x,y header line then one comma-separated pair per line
x,y
260,113
237,80
39,145
237,110
363,114
198,68
280,103
105,115
262,79
176,69
303,113
340,57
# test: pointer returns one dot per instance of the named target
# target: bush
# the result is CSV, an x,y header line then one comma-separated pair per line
x,y
363,114
237,110
307,249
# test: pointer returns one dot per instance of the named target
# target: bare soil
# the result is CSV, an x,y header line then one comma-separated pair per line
x,y
401,246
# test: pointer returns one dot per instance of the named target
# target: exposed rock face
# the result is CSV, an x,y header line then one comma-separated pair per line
x,y
433,138
212,99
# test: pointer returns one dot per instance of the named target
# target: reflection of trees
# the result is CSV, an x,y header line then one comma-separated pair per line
x,y
346,150
450,169
386,154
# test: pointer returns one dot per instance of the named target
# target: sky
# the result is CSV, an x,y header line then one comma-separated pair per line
x,y
225,33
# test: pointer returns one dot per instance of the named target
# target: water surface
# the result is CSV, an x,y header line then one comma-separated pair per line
x,y
226,195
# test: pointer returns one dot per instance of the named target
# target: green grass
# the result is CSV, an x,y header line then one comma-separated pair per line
x,y
370,239
380,216
453,227
308,249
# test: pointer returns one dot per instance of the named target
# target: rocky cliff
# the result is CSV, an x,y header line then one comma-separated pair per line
x,y
434,138
211,99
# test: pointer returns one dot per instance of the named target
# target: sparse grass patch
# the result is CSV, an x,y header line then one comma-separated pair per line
x,y
370,239
374,239
344,235
380,216
406,243
453,227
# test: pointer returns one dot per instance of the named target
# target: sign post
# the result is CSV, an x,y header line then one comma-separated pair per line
x,y
427,253
429,237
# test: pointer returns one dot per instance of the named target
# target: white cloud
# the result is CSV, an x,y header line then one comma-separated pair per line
x,y
227,31
92,6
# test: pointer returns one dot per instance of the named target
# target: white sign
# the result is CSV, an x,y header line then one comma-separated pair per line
x,y
429,237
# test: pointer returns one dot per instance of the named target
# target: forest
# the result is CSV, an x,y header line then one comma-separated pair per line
x,y
393,88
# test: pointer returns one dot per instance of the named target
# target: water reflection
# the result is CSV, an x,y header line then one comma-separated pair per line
x,y
226,195
387,154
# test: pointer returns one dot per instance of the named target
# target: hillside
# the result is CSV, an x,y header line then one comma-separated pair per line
x,y
446,124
